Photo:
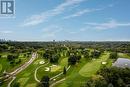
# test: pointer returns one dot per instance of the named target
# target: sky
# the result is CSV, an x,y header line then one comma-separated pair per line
x,y
76,20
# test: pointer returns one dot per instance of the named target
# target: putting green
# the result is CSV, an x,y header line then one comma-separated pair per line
x,y
37,61
92,67
55,68
0,67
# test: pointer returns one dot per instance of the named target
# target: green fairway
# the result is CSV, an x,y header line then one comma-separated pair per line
x,y
91,68
64,62
0,67
27,75
74,79
32,85
123,55
23,81
79,74
54,70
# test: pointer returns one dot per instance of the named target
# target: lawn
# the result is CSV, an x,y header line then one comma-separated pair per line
x,y
55,69
92,67
28,74
0,67
73,77
7,67
78,75
123,55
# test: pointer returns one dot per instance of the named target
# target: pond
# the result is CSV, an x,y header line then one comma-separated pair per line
x,y
122,62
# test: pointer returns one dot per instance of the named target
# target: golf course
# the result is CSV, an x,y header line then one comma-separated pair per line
x,y
63,66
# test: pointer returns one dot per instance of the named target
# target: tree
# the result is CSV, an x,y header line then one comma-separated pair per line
x,y
12,57
120,83
86,55
113,55
16,84
78,57
64,71
72,60
45,81
95,54
54,59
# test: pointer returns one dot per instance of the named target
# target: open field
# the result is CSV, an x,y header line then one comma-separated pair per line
x,y
5,64
65,66
77,75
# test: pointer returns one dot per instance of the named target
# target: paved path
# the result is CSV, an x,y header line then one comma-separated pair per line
x,y
18,70
11,82
57,82
35,73
59,74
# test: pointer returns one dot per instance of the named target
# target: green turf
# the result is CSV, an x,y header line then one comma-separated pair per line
x,y
28,73
55,70
77,76
9,68
91,68
0,67
32,85
23,81
123,55
73,78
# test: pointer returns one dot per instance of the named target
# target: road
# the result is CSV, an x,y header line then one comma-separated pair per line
x,y
18,70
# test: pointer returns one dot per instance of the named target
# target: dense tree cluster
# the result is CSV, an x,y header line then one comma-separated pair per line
x,y
113,55
85,53
52,55
45,81
111,77
12,58
73,59
95,54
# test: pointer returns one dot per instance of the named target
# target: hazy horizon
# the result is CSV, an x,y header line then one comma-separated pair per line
x,y
73,20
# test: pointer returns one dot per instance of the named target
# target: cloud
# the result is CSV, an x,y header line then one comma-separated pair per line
x,y
107,25
44,16
87,11
6,32
51,31
82,12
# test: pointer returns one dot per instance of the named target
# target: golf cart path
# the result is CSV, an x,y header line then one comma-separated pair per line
x,y
35,73
57,82
24,66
